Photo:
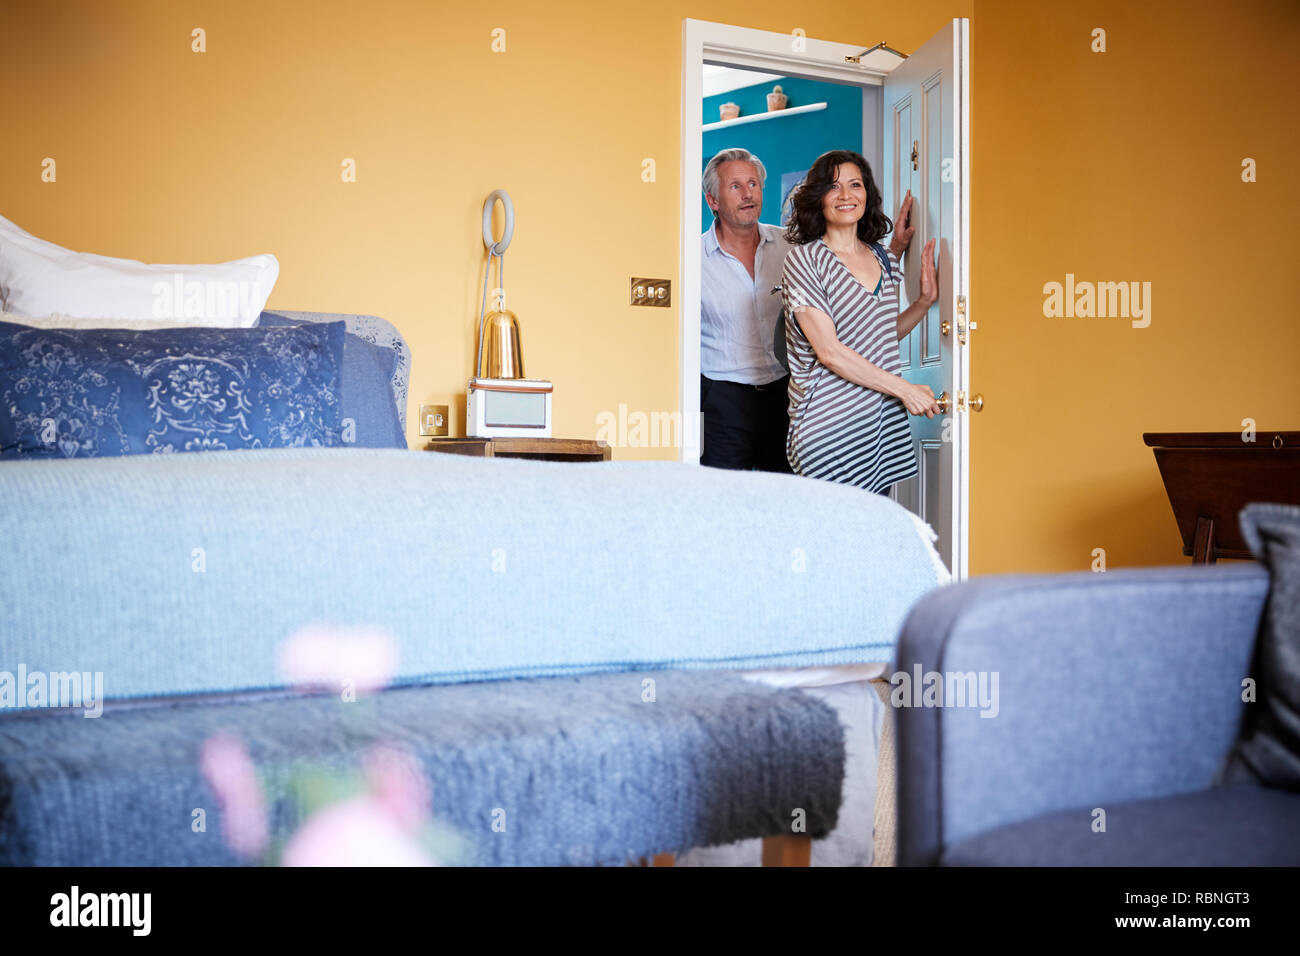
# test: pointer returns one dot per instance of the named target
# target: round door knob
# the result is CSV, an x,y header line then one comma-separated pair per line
x,y
943,401
945,327
977,403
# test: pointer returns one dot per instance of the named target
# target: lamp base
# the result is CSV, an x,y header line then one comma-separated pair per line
x,y
509,408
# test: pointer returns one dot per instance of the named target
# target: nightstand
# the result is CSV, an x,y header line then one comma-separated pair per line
x,y
543,449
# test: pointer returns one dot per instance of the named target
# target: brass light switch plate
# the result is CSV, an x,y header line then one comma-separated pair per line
x,y
434,420
654,292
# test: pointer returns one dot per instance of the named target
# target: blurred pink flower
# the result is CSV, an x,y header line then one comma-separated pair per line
x,y
397,783
231,775
358,832
335,658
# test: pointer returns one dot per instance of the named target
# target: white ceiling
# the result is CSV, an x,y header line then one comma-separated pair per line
x,y
724,79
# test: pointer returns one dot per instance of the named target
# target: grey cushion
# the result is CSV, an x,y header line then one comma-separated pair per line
x,y
1239,825
1268,751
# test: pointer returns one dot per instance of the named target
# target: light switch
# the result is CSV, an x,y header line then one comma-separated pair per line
x,y
434,420
653,292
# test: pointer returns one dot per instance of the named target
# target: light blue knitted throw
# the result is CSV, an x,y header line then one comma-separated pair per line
x,y
183,574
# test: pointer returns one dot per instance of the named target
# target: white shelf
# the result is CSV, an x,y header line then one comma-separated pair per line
x,y
759,117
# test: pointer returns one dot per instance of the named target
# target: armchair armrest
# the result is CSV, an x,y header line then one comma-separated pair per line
x,y
1104,688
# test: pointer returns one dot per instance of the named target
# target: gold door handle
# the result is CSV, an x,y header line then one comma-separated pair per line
x,y
975,403
945,327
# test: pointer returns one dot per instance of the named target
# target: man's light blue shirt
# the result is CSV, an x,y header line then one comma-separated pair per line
x,y
738,314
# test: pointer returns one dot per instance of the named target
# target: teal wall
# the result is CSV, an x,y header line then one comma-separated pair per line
x,y
790,143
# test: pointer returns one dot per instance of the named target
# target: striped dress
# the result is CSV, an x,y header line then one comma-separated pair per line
x,y
841,431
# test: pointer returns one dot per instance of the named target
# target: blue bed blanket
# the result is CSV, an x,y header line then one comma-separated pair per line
x,y
186,574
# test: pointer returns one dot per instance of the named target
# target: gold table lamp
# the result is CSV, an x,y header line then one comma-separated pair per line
x,y
501,352
502,403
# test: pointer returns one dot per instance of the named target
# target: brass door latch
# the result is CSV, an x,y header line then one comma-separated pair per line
x,y
974,404
945,327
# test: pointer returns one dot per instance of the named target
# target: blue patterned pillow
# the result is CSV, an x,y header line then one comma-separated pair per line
x,y
88,393
368,416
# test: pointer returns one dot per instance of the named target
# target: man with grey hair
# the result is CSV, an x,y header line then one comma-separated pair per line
x,y
742,384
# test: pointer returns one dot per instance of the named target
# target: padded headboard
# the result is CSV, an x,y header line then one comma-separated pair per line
x,y
373,329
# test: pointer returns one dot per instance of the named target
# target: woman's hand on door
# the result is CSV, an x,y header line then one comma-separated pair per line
x,y
928,294
929,275
903,228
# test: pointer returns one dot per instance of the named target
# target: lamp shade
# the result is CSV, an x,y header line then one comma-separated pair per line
x,y
501,353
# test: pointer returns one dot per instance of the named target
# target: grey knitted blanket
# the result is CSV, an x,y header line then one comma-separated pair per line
x,y
579,771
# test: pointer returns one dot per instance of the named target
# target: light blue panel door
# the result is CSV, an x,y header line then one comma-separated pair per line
x,y
925,150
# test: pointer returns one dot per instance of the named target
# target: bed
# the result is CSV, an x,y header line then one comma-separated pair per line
x,y
180,574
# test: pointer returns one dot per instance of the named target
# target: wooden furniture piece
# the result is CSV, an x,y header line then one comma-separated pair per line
x,y
1211,476
790,850
545,449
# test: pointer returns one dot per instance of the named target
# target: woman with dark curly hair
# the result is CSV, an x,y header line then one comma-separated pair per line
x,y
840,286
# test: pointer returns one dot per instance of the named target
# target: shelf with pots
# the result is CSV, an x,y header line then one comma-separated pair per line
x,y
759,117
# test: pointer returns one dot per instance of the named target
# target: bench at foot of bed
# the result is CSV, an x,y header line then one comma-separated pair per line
x,y
593,770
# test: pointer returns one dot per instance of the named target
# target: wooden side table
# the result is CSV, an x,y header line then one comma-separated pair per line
x,y
543,449
1211,476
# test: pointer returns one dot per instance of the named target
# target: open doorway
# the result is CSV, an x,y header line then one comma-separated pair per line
x,y
817,116
909,117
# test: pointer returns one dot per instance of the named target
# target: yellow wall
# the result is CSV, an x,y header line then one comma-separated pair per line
x,y
1115,166
1125,165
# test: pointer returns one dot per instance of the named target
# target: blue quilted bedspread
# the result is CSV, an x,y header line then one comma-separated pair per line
x,y
184,574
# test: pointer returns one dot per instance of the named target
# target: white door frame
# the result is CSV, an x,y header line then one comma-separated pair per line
x,y
787,54
790,55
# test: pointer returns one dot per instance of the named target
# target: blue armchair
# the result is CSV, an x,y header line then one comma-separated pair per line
x,y
1110,704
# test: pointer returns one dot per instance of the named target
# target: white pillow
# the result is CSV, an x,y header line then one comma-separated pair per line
x,y
77,323
38,279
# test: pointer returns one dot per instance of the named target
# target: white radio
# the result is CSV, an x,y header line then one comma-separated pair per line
x,y
509,408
